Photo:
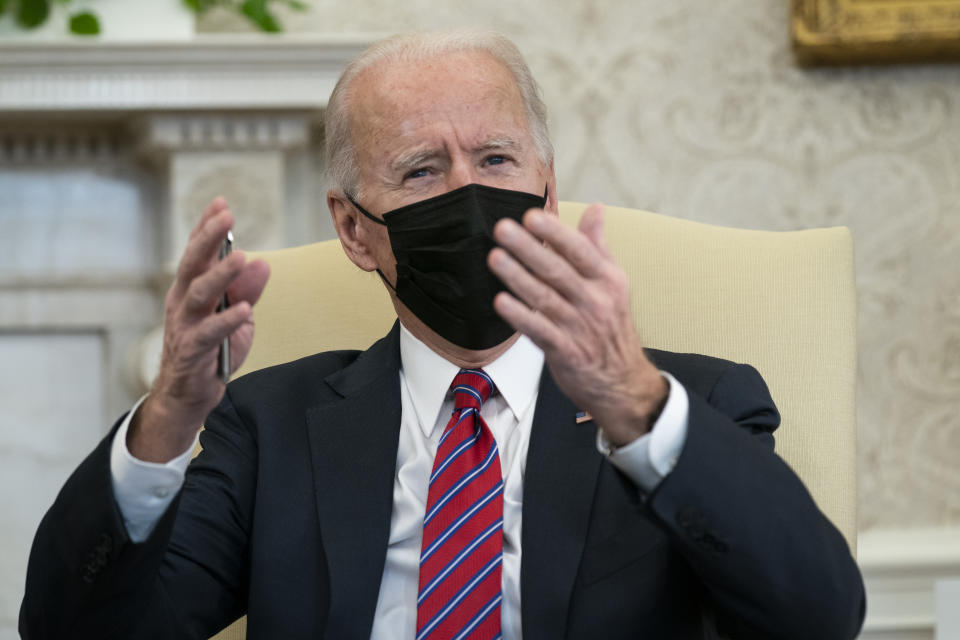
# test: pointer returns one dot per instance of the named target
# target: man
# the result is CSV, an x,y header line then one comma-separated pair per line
x,y
563,486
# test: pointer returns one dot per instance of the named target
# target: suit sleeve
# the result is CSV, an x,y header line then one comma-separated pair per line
x,y
775,566
87,579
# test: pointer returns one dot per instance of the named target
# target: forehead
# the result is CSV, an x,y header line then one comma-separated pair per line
x,y
466,94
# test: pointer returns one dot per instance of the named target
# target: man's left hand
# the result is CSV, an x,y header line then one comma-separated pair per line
x,y
573,301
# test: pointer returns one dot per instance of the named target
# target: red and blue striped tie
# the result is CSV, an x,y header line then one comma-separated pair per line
x,y
462,548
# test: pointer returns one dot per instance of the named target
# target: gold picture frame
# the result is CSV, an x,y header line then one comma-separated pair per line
x,y
875,31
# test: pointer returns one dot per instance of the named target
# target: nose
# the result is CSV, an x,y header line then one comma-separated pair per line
x,y
462,172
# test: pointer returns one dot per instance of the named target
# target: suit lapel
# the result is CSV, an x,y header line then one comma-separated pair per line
x,y
561,474
353,446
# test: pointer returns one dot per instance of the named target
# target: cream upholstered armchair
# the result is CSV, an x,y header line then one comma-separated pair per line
x,y
781,301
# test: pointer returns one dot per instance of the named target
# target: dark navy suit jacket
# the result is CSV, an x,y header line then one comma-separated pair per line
x,y
285,516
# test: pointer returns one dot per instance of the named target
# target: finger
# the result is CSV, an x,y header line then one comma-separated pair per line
x,y
592,225
202,248
205,290
531,290
536,326
543,261
215,327
240,342
249,284
574,246
216,206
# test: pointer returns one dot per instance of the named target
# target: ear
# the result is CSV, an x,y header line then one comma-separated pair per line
x,y
552,205
353,238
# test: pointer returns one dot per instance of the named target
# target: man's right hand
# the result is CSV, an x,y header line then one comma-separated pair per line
x,y
187,387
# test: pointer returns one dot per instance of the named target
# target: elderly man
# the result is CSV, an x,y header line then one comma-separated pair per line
x,y
505,463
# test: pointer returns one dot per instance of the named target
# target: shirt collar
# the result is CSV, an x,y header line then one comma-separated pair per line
x,y
428,376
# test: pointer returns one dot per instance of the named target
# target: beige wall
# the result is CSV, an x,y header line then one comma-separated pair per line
x,y
696,111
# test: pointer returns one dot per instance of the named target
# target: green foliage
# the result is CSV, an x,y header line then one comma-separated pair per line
x,y
84,24
201,6
32,13
256,11
259,14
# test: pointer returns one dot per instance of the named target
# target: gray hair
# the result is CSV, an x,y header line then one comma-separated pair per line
x,y
340,158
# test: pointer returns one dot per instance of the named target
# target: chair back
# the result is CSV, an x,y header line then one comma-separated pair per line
x,y
783,302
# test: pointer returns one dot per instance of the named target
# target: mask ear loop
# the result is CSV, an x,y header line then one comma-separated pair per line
x,y
364,211
378,221
385,281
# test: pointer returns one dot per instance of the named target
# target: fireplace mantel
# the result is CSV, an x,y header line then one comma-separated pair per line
x,y
209,72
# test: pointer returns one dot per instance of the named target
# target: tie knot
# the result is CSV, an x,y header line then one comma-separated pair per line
x,y
471,388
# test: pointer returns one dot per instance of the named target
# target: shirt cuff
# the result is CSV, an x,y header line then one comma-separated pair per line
x,y
143,490
648,459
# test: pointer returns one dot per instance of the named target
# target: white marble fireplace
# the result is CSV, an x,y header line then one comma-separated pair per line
x,y
108,153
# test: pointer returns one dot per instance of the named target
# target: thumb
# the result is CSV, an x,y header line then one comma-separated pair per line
x,y
591,225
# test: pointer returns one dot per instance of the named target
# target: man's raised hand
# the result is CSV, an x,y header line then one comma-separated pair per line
x,y
573,301
187,386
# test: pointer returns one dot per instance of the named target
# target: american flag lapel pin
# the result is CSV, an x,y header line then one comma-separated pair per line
x,y
583,416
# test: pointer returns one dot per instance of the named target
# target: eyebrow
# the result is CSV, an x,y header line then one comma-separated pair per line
x,y
502,142
412,159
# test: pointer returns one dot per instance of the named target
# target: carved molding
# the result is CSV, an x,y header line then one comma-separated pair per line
x,y
250,71
52,143
164,133
252,182
238,155
154,135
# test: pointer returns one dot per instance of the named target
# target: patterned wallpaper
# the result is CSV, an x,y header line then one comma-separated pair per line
x,y
699,112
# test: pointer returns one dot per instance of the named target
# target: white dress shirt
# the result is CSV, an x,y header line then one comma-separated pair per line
x,y
144,490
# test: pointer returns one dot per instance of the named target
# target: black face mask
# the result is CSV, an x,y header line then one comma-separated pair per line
x,y
441,246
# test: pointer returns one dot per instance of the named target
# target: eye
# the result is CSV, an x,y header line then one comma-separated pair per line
x,y
421,172
496,159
